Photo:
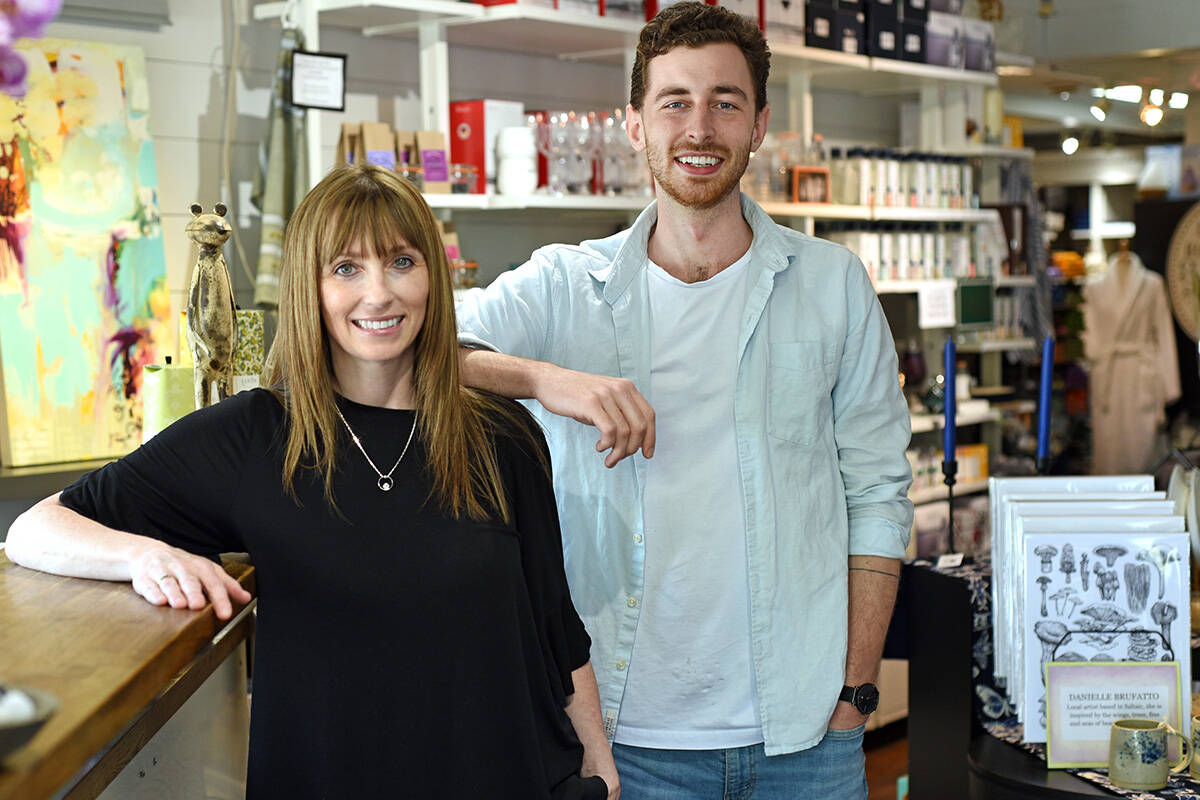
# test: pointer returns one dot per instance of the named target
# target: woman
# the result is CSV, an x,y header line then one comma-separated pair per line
x,y
416,637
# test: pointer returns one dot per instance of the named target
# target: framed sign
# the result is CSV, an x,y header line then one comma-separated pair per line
x,y
1084,699
319,80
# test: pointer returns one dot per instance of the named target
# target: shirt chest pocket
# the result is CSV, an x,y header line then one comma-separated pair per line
x,y
799,381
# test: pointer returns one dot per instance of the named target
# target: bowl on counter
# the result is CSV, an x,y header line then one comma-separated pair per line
x,y
24,718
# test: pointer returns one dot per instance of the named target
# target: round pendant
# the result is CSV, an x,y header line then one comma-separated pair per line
x,y
385,483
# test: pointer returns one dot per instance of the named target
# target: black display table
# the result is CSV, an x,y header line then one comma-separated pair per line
x,y
997,770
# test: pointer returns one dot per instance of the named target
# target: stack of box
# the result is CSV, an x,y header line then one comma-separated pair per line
x,y
958,42
896,28
922,31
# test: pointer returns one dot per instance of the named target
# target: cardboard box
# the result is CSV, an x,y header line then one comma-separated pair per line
x,y
946,6
819,26
376,145
348,144
980,45
783,20
914,10
850,32
655,6
750,9
883,31
912,41
623,9
476,124
944,40
431,156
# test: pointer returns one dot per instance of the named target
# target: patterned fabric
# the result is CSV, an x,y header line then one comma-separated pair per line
x,y
282,178
996,714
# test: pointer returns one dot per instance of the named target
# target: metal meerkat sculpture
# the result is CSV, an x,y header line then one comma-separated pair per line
x,y
211,321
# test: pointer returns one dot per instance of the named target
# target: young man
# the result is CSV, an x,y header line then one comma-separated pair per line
x,y
738,585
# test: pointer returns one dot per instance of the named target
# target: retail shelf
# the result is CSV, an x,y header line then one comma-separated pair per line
x,y
902,214
1109,230
923,423
898,287
817,210
373,14
518,27
997,345
500,202
988,151
1015,280
931,493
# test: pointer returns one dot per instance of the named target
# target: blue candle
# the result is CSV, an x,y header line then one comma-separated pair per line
x,y
948,390
1043,442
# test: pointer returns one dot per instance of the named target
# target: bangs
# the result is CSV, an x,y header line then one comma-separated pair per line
x,y
372,218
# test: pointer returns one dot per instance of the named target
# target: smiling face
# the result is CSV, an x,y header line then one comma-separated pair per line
x,y
373,308
698,123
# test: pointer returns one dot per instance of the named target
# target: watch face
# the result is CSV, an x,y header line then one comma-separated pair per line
x,y
866,699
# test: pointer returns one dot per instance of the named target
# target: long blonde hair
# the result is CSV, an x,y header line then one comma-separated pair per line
x,y
374,206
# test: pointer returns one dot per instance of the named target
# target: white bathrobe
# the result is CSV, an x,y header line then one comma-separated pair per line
x,y
1130,342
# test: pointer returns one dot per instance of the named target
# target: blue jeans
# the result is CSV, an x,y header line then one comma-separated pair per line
x,y
834,769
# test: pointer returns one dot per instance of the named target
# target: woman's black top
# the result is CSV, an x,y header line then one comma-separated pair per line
x,y
399,652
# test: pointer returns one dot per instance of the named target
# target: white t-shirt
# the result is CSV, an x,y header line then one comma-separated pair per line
x,y
691,681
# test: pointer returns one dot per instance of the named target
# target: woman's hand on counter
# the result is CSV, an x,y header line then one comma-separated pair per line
x,y
166,575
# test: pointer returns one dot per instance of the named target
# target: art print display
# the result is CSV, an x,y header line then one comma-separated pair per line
x,y
1000,491
1135,606
83,296
1083,516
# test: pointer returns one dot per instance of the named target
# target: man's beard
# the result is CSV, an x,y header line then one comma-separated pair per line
x,y
696,192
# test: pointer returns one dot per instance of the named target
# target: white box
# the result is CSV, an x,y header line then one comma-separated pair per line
x,y
747,8
945,40
980,45
783,20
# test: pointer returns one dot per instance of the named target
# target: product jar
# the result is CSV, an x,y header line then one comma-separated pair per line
x,y
463,178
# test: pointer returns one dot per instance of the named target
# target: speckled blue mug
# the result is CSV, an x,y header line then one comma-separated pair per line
x,y
1137,754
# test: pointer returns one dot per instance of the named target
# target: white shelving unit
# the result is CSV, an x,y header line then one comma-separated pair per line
x,y
923,423
572,35
998,345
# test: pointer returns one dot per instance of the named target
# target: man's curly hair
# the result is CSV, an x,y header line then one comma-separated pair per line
x,y
691,24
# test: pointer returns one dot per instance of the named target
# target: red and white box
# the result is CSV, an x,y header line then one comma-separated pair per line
x,y
474,125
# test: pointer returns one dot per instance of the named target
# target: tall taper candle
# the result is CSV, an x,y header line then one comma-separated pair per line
x,y
948,434
1043,438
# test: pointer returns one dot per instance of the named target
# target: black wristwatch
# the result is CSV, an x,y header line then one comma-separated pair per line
x,y
865,697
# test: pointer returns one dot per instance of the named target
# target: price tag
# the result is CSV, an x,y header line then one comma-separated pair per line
x,y
319,80
950,560
935,304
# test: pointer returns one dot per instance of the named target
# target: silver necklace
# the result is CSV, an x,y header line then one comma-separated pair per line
x,y
385,482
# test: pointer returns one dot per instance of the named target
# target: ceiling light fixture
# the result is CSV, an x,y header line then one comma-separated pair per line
x,y
1070,144
1151,114
1100,108
1178,100
1128,93
1157,97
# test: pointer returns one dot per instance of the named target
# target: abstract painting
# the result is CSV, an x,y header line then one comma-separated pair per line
x,y
83,296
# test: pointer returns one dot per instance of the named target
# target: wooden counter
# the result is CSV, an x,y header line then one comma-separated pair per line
x,y
119,666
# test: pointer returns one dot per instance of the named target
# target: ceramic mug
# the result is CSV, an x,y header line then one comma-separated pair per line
x,y
1137,754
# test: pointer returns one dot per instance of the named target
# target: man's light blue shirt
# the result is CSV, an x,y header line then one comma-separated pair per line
x,y
821,428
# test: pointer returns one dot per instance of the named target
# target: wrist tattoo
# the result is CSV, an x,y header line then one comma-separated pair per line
x,y
876,571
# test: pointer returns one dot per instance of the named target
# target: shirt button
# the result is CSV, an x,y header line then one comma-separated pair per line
x,y
637,537
631,602
621,665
